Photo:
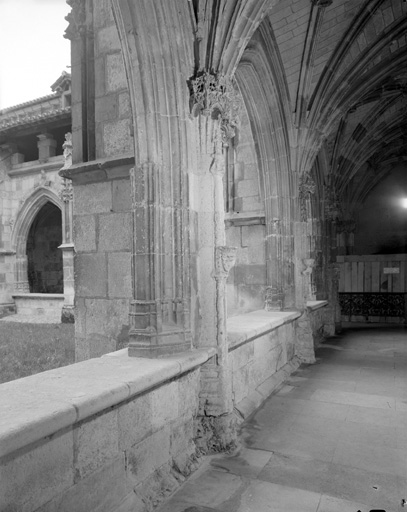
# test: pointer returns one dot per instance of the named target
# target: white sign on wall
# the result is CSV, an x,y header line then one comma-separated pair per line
x,y
391,270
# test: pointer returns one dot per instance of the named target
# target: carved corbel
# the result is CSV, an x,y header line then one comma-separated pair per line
x,y
309,264
225,258
307,187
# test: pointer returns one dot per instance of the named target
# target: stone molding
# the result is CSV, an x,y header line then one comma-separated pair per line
x,y
99,170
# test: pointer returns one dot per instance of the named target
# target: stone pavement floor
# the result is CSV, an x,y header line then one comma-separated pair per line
x,y
332,439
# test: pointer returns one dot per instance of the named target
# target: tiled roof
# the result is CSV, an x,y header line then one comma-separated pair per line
x,y
32,118
28,103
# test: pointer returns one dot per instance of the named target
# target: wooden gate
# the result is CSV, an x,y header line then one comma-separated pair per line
x,y
373,288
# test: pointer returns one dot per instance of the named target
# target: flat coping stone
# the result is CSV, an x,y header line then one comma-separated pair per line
x,y
39,296
40,405
243,328
313,305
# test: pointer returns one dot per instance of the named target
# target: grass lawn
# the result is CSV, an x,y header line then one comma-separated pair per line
x,y
26,349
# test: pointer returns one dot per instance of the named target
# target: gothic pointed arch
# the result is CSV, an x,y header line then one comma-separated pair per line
x,y
28,211
25,218
264,89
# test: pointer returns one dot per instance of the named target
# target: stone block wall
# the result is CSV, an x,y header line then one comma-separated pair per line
x,y
103,289
246,283
20,182
246,187
112,100
262,353
118,455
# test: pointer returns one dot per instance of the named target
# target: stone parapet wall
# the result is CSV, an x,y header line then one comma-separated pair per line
x,y
109,434
262,355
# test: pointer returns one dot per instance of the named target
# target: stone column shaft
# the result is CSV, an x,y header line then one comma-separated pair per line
x,y
159,312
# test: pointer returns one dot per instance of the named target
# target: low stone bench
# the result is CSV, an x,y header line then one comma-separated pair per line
x,y
46,305
262,355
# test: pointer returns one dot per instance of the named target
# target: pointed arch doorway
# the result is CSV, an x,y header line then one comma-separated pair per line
x,y
44,258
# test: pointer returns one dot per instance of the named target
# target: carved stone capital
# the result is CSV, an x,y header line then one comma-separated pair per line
x,y
309,264
215,96
307,184
225,258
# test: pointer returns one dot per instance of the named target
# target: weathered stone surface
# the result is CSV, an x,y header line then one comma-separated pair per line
x,y
241,356
181,437
114,232
38,474
85,233
106,108
91,275
93,198
95,443
168,395
124,105
188,389
115,73
148,455
105,489
121,196
116,137
134,419
119,275
108,37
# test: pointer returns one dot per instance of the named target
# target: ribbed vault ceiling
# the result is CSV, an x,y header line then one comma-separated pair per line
x,y
347,78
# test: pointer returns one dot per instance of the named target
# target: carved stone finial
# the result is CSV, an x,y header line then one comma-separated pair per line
x,y
215,96
76,19
225,258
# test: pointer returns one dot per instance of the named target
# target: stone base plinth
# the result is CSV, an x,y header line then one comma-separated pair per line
x,y
40,305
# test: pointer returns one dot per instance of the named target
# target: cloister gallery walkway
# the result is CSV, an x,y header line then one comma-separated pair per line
x,y
332,439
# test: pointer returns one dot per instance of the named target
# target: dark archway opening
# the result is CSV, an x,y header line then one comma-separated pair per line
x,y
45,269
